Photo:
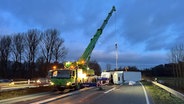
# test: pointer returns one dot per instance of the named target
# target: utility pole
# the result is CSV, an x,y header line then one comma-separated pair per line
x,y
116,46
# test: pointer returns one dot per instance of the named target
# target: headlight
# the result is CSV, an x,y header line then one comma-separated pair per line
x,y
51,83
12,83
68,83
38,81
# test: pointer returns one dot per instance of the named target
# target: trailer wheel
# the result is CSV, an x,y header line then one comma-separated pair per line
x,y
77,87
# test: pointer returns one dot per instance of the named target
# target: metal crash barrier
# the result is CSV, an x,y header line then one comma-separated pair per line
x,y
176,93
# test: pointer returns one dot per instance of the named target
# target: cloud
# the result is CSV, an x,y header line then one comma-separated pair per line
x,y
148,59
144,30
9,23
67,16
144,21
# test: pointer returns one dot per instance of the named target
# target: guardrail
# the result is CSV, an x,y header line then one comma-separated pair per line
x,y
16,85
176,93
24,82
17,82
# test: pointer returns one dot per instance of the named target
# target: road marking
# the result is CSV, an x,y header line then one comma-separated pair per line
x,y
23,98
61,96
55,98
109,90
147,100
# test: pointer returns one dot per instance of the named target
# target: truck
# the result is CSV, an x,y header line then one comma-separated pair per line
x,y
120,77
107,77
106,74
75,74
132,76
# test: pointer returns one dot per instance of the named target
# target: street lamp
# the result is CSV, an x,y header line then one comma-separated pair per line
x,y
116,46
54,67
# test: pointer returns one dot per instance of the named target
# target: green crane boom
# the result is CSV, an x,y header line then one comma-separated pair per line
x,y
67,78
86,55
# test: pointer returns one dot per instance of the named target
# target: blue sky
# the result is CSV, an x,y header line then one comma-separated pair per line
x,y
145,30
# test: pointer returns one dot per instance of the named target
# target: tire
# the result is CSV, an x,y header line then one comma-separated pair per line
x,y
60,88
77,87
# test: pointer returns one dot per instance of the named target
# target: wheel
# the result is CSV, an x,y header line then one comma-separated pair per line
x,y
77,87
60,88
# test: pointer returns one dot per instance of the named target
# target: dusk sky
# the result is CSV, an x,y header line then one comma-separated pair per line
x,y
145,30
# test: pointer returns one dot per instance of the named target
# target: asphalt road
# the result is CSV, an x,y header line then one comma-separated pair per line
x,y
123,95
16,85
116,94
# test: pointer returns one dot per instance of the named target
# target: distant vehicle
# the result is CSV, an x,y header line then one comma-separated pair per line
x,y
5,81
42,82
120,77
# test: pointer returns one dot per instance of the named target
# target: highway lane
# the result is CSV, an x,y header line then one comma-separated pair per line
x,y
125,94
77,97
49,96
116,94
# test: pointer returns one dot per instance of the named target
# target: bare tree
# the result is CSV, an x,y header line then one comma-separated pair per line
x,y
180,59
17,51
173,60
176,57
18,46
5,49
41,67
59,50
49,38
32,41
95,66
5,43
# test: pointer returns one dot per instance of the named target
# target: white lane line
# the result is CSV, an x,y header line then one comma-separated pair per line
x,y
146,96
109,90
61,96
55,98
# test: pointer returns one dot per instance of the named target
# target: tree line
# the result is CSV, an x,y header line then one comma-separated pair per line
x,y
30,54
176,57
174,68
173,72
162,70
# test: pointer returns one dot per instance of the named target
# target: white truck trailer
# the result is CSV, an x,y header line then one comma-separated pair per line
x,y
132,76
120,77
108,76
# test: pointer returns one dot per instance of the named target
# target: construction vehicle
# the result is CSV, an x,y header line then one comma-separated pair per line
x,y
75,74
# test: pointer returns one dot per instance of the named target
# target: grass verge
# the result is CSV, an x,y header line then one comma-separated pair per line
x,y
21,92
160,96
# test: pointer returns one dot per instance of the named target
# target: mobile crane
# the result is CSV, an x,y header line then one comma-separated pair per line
x,y
75,74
